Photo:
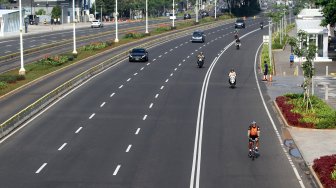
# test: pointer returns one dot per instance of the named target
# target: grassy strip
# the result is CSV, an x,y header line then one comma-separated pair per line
x,y
293,107
50,64
265,59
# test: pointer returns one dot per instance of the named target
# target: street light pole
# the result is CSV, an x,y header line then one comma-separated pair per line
x,y
215,9
270,42
146,16
196,11
116,21
173,13
74,27
22,70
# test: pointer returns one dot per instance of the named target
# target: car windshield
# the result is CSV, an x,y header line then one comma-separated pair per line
x,y
197,34
94,21
138,51
240,21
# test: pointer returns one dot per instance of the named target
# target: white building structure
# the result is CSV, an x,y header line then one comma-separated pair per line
x,y
309,20
9,22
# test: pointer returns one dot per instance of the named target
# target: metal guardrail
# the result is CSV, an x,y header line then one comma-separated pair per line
x,y
33,109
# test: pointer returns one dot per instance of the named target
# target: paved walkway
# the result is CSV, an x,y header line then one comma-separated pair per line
x,y
312,143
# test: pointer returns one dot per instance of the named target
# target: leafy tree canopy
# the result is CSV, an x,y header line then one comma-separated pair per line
x,y
329,11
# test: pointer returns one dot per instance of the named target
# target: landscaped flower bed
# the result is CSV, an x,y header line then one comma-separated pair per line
x,y
294,110
325,168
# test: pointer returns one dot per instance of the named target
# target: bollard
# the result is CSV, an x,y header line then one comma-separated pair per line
x,y
296,71
327,71
326,92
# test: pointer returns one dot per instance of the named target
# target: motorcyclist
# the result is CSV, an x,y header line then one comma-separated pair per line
x,y
232,73
238,41
261,24
253,133
236,34
200,56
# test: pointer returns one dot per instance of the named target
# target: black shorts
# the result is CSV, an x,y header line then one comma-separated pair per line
x,y
251,138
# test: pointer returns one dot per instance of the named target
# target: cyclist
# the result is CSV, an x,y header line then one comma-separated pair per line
x,y
253,134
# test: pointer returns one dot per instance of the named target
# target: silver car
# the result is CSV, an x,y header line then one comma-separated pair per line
x,y
198,36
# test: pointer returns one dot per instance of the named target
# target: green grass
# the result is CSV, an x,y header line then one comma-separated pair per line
x,y
265,57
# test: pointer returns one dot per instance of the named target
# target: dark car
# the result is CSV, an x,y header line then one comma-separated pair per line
x,y
138,54
240,23
187,16
198,36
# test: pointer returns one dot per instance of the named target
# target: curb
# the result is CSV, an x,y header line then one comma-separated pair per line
x,y
315,177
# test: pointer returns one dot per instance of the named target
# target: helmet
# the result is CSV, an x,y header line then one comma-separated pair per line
x,y
232,70
253,123
201,53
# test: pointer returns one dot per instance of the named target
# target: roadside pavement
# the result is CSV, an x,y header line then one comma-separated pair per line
x,y
312,143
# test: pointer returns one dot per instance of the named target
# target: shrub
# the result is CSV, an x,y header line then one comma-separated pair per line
x,y
9,79
293,108
3,85
265,57
52,61
94,46
325,169
134,35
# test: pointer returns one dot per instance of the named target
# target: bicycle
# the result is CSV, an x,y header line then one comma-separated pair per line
x,y
254,154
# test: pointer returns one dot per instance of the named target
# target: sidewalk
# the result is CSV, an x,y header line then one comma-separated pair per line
x,y
311,143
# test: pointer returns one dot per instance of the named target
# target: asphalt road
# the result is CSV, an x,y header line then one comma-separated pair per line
x,y
163,124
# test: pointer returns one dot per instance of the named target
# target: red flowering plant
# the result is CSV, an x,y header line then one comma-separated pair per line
x,y
325,168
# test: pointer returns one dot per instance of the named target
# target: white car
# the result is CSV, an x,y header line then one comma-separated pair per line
x,y
96,23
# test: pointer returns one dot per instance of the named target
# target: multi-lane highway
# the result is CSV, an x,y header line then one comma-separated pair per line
x,y
165,123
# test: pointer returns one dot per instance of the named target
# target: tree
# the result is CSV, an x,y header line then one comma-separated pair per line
x,y
40,12
56,12
302,49
329,11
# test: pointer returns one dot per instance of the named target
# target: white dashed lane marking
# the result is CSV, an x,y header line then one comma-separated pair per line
x,y
79,129
161,87
116,170
160,55
128,148
112,94
165,52
154,59
167,80
121,86
128,79
40,169
171,74
137,131
60,148
102,104
142,68
151,105
156,96
135,74
148,64
92,115
145,117
175,69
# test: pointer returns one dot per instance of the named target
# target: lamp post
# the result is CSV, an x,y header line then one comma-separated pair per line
x,y
196,11
215,9
22,70
116,21
146,16
173,14
74,27
270,42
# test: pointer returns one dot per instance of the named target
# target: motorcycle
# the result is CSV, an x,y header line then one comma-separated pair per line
x,y
200,62
261,26
232,81
238,44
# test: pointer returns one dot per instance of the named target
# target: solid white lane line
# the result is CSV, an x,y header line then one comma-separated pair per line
x,y
273,124
171,74
102,104
92,116
79,129
137,131
167,80
156,96
128,79
128,148
112,94
142,68
151,105
161,87
135,74
145,117
121,86
40,169
60,148
116,170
